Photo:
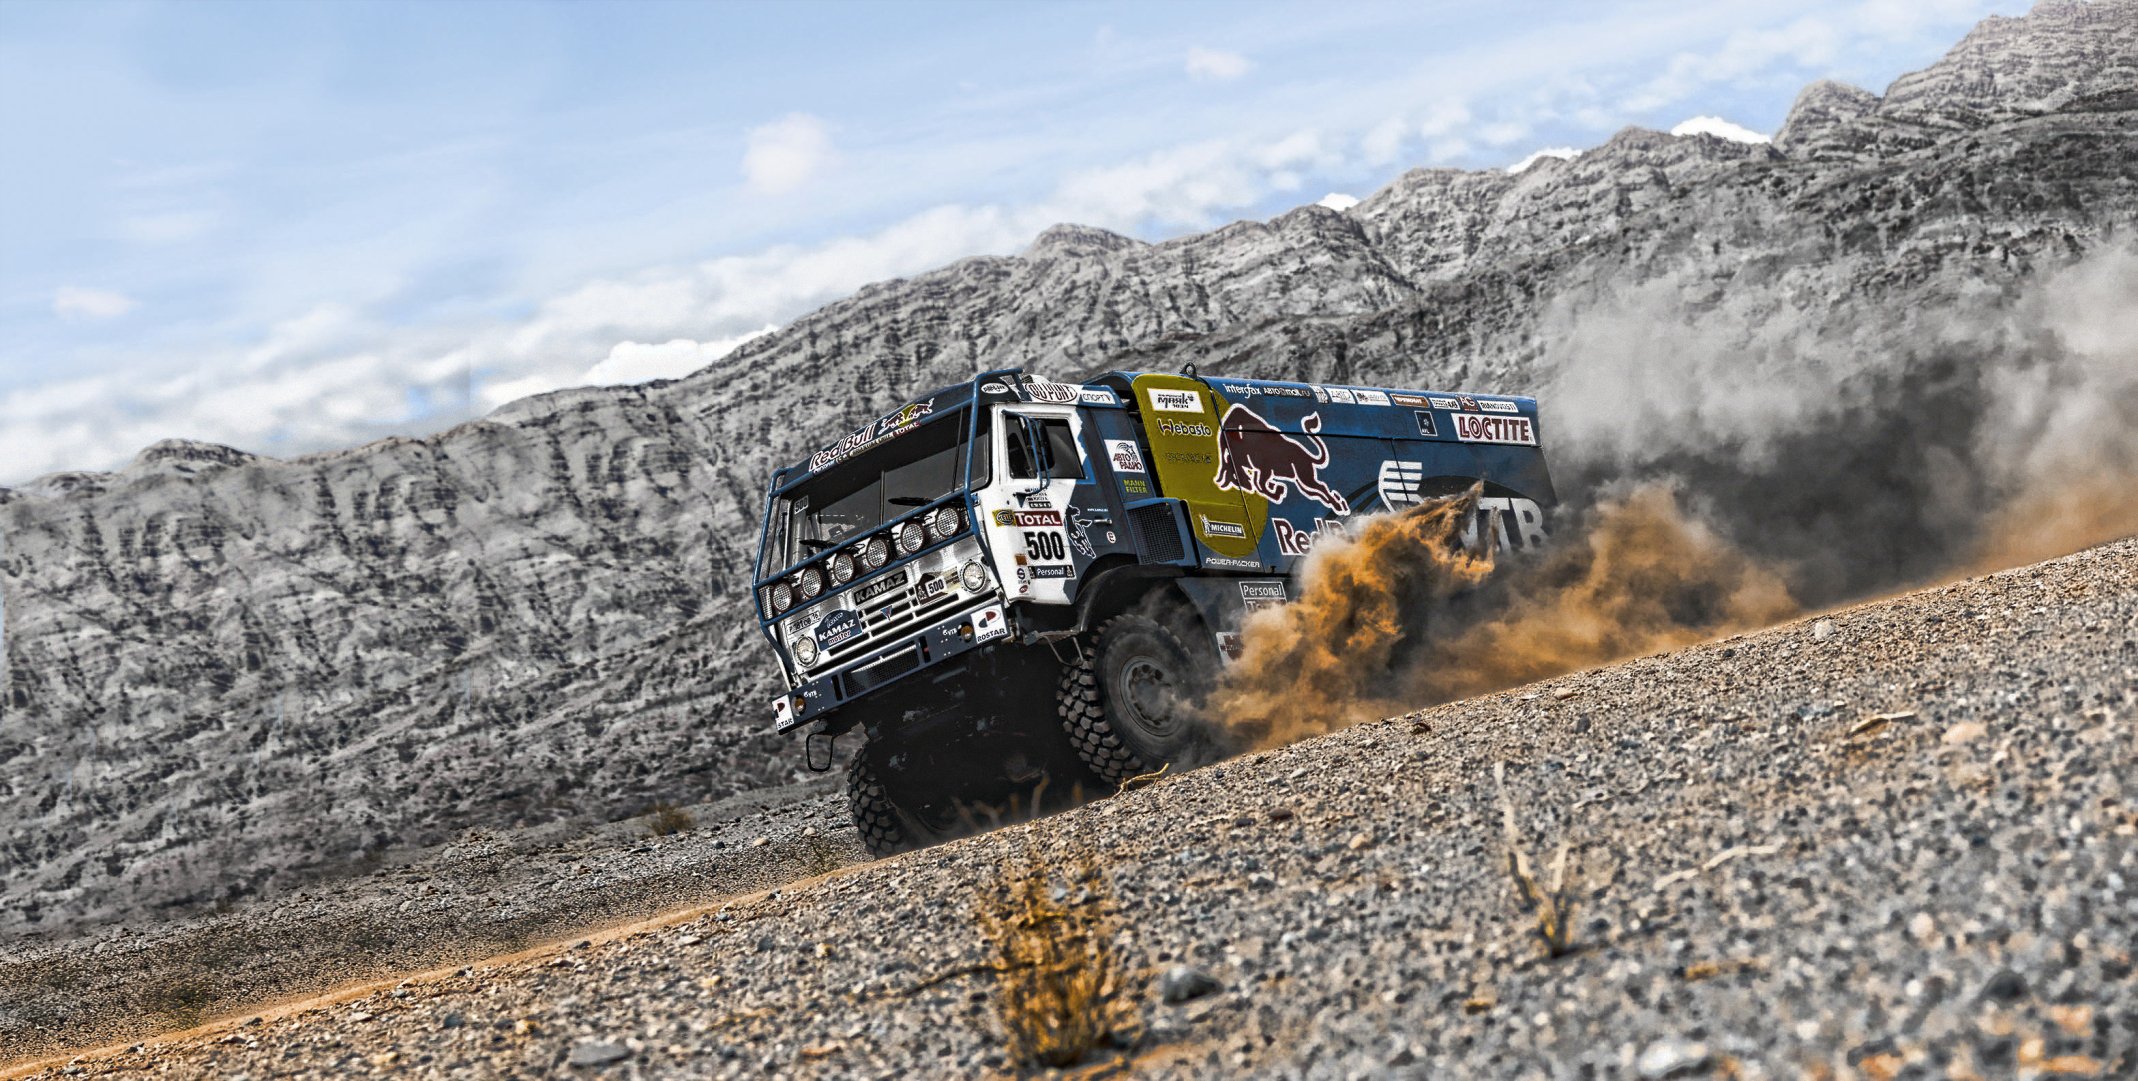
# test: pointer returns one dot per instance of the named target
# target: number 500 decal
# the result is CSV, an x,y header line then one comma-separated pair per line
x,y
1047,547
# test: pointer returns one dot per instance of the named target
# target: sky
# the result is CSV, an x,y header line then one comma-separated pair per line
x,y
297,226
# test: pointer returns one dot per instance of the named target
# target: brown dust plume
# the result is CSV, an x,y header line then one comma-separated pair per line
x,y
1400,616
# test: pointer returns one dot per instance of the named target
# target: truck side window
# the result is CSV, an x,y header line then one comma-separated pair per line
x,y
1054,451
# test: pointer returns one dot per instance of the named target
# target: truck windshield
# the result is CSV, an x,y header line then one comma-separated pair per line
x,y
875,486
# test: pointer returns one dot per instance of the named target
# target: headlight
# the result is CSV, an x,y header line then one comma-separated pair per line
x,y
842,568
974,576
805,651
875,552
782,597
943,523
810,582
910,538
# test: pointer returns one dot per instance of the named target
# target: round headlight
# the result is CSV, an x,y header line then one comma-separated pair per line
x,y
974,576
842,568
943,523
805,651
910,538
810,582
782,597
875,552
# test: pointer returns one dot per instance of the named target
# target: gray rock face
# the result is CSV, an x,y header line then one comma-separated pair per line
x,y
226,673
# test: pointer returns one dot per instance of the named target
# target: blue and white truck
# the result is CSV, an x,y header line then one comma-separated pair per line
x,y
1019,589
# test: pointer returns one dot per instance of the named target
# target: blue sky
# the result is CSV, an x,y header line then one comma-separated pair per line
x,y
296,226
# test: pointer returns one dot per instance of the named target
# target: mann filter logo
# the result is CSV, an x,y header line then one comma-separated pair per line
x,y
1498,407
1194,428
1177,401
1476,428
1223,529
1124,455
1253,456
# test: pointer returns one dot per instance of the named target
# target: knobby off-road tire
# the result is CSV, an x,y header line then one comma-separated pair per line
x,y
1127,704
882,833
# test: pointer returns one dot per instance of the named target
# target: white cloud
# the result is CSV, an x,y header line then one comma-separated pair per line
x,y
1337,201
1216,65
73,302
1720,128
784,154
638,362
1563,153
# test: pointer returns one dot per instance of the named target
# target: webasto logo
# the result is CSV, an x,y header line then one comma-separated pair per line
x,y
1173,427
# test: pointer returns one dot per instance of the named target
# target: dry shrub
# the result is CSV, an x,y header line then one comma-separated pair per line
x,y
1062,990
667,819
1550,902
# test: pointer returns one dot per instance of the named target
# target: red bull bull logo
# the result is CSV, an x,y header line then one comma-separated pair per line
x,y
1253,456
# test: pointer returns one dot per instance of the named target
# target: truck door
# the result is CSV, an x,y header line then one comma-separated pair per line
x,y
1041,471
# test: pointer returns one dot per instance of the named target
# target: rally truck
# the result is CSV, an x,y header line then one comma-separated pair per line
x,y
1018,590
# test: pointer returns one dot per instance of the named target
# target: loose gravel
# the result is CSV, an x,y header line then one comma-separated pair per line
x,y
1896,840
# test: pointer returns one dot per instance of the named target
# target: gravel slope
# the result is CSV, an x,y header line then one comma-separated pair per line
x,y
1894,841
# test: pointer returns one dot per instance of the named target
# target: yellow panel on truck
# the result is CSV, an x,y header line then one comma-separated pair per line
x,y
1180,418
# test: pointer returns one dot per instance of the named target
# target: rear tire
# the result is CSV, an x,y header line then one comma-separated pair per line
x,y
1130,704
882,833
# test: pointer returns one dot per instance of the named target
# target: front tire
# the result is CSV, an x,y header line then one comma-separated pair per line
x,y
866,801
1131,703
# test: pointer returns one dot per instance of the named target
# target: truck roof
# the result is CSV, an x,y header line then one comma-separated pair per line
x,y
1344,409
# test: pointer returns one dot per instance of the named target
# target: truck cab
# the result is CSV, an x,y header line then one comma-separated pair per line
x,y
1013,583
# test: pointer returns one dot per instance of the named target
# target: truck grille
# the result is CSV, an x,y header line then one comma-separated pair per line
x,y
899,613
1157,532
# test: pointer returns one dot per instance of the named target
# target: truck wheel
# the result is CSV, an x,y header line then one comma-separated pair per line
x,y
881,831
1130,705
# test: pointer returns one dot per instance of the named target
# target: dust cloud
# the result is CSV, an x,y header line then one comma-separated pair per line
x,y
1400,615
1726,465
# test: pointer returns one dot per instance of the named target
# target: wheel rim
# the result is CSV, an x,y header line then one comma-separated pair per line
x,y
1149,696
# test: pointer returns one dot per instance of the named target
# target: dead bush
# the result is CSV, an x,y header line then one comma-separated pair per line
x,y
1549,902
1061,987
666,819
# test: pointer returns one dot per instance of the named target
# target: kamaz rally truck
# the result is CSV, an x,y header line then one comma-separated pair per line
x,y
1019,590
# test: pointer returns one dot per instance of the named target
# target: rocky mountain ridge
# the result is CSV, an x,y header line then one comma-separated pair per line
x,y
225,673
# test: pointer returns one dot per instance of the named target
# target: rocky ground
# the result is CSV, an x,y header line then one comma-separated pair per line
x,y
492,892
1896,840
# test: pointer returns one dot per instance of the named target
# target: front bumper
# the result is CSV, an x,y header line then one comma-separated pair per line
x,y
895,660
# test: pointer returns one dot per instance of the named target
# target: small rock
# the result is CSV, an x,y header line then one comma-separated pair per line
x,y
809,831
1185,983
760,842
1564,693
1670,1057
1963,732
689,940
2005,986
1922,926
1358,841
598,1054
1822,630
1280,814
359,1015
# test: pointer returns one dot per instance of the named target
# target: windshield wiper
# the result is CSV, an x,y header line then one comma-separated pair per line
x,y
909,501
818,545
